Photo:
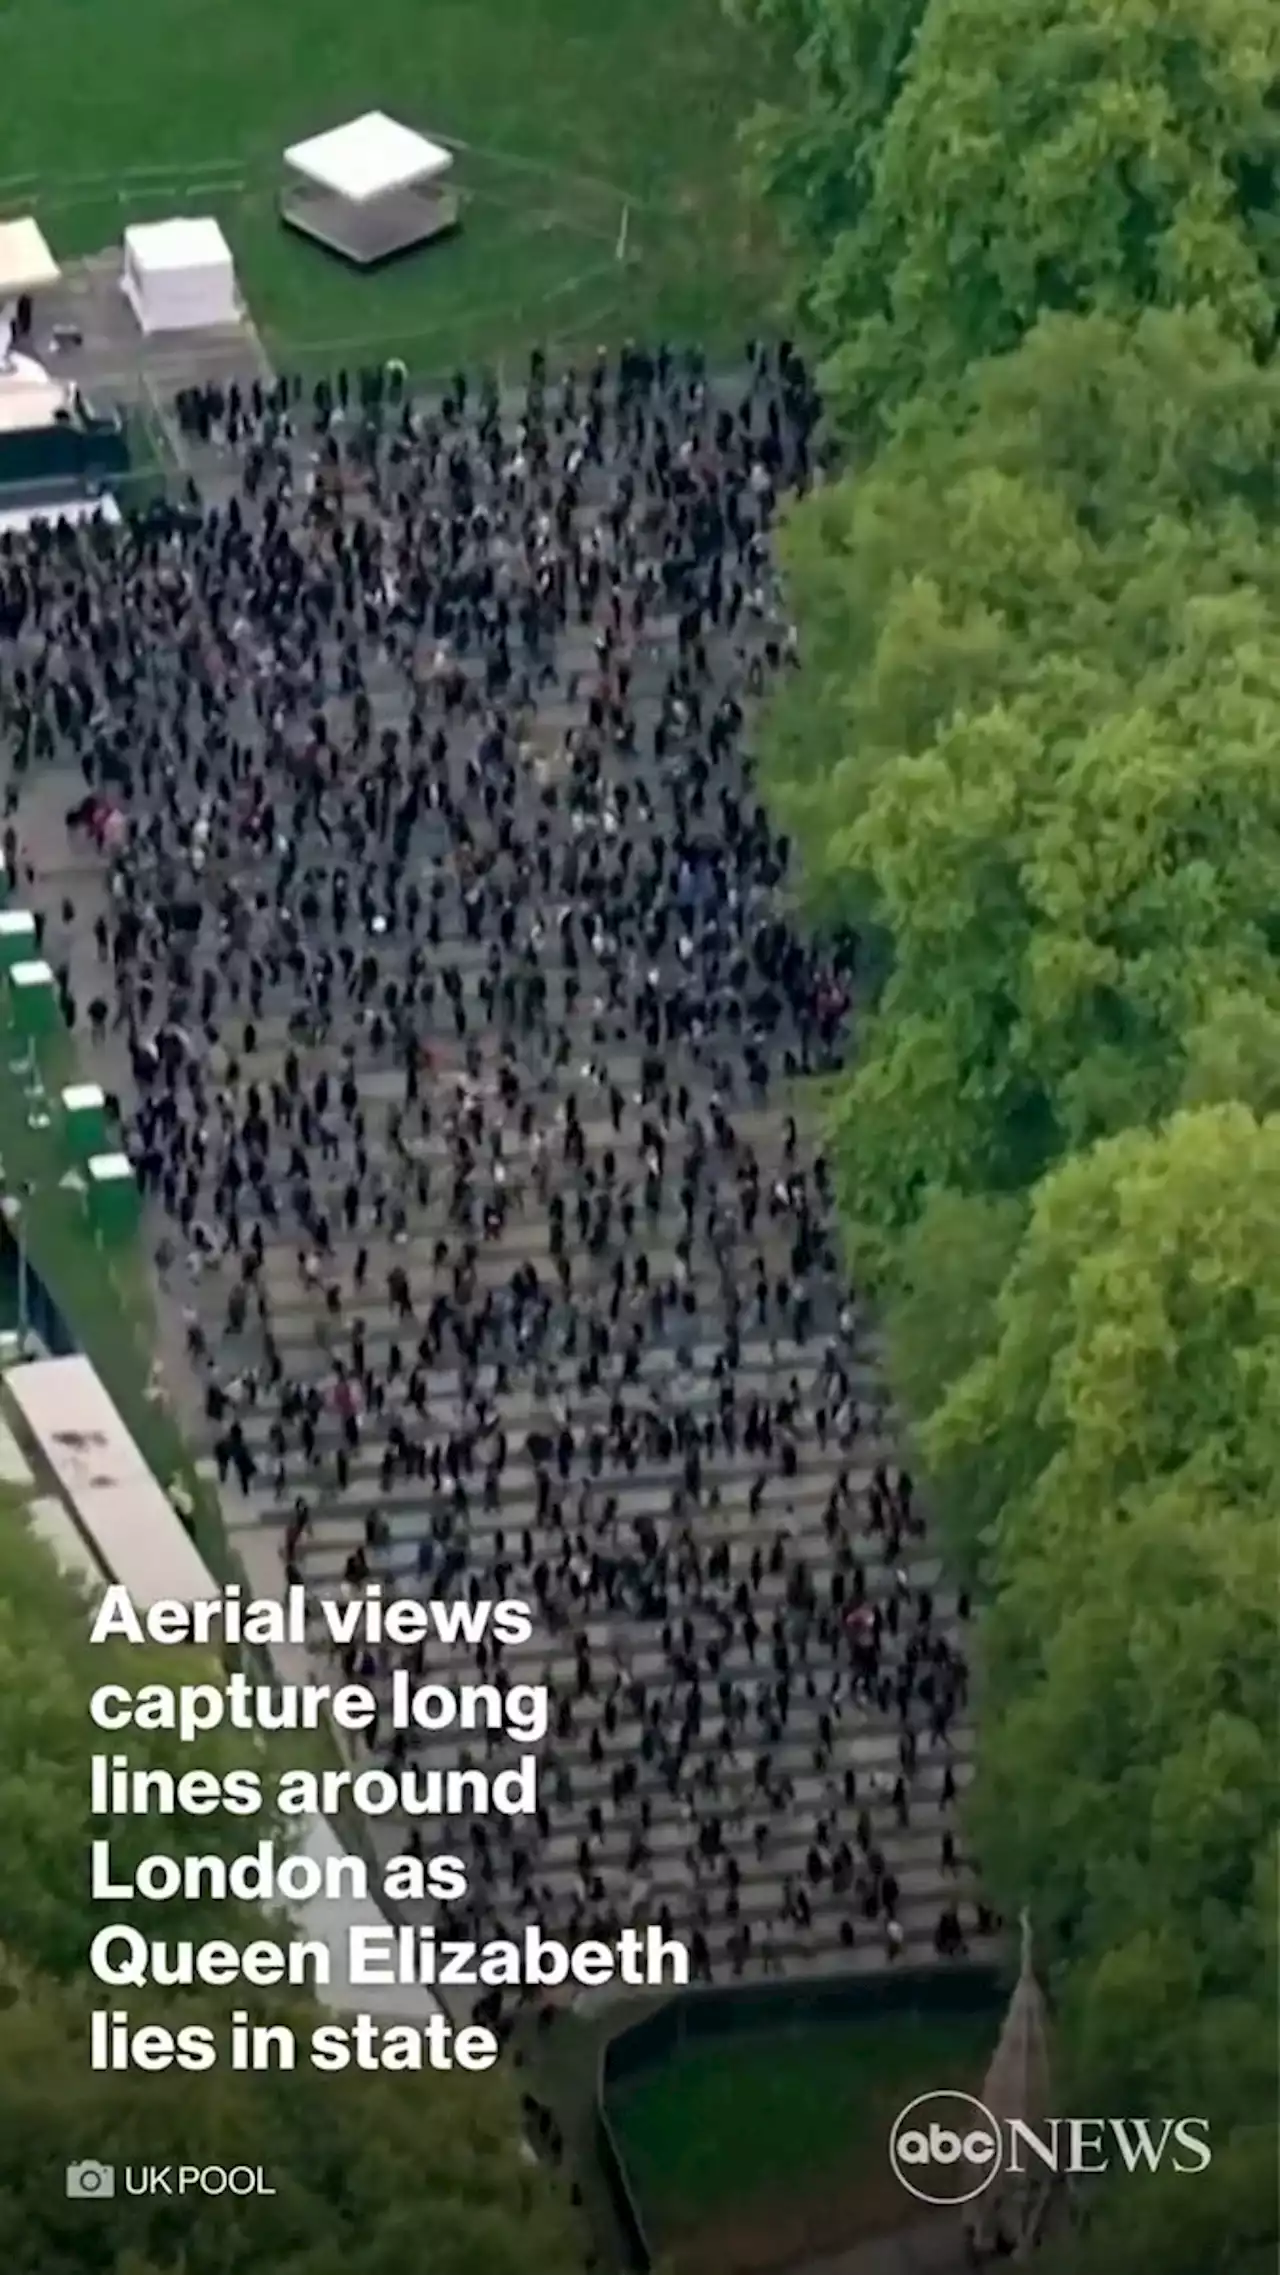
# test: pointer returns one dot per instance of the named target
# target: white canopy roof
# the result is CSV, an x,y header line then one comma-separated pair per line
x,y
26,264
30,400
16,520
368,158
155,245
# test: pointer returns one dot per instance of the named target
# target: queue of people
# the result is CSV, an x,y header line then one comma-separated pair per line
x,y
444,966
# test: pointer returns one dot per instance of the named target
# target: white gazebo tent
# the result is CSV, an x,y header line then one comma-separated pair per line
x,y
369,189
179,276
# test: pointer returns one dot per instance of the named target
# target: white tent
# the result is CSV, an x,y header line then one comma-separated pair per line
x,y
30,400
26,264
179,276
369,189
370,157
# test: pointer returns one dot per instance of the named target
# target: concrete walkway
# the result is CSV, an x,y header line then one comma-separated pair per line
x,y
936,2249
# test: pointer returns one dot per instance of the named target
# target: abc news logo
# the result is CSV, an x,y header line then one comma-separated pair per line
x,y
945,2148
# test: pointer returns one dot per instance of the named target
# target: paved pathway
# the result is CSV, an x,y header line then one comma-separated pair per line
x,y
933,2250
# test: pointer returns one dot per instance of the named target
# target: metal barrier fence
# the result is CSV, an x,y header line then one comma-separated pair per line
x,y
26,1300
732,2012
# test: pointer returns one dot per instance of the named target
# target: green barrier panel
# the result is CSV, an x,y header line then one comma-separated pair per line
x,y
113,1200
84,1120
17,938
33,999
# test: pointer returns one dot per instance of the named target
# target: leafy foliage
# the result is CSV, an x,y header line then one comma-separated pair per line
x,y
1030,751
1030,756
49,1671
962,167
371,2172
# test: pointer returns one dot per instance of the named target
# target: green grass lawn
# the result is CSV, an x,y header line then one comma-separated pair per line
x,y
745,2154
120,110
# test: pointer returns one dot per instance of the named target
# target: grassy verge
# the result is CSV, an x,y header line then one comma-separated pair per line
x,y
564,116
747,2155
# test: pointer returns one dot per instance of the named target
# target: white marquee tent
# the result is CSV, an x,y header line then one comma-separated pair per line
x,y
179,276
369,189
26,264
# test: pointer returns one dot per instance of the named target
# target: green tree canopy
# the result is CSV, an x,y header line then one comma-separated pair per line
x,y
1115,1451
1063,511
1234,1053
813,152
1008,158
1129,1780
1221,2222
947,1272
1134,1692
1030,756
1137,1338
48,1673
372,2173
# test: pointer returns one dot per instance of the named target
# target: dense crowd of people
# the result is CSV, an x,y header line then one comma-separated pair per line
x,y
446,979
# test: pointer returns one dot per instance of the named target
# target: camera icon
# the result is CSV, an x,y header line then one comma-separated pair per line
x,y
91,2179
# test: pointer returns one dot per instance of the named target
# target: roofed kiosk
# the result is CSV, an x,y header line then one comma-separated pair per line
x,y
369,190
